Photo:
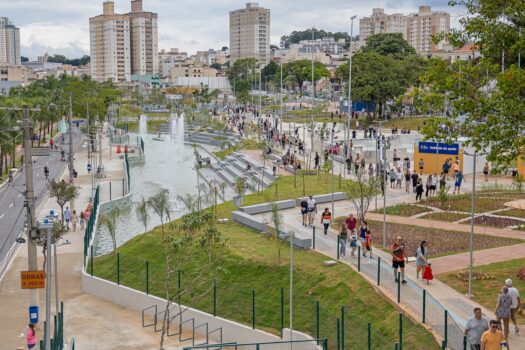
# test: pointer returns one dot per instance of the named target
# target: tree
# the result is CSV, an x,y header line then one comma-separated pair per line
x,y
141,210
160,203
109,221
63,192
301,71
297,36
216,66
363,191
241,75
389,44
269,72
277,239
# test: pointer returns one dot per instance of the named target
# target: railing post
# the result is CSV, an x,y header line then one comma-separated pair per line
x,y
338,243
282,311
253,308
369,336
318,318
325,344
400,331
464,342
110,190
342,327
443,345
424,305
338,335
147,277
313,230
446,328
398,287
214,298
395,346
91,263
378,270
123,187
118,269
359,258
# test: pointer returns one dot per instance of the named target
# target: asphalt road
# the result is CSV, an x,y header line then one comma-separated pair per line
x,y
12,211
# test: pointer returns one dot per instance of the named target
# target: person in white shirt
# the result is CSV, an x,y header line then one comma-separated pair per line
x,y
515,297
311,207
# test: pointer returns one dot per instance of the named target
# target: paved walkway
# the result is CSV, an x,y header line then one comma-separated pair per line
x,y
95,323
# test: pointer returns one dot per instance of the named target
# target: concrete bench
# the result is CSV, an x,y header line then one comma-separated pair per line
x,y
249,220
267,207
324,198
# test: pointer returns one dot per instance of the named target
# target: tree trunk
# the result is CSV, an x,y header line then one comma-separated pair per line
x,y
13,160
40,133
1,160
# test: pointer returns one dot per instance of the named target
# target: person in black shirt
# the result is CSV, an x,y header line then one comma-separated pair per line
x,y
415,178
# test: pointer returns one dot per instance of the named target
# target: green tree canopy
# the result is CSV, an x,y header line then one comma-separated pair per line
x,y
389,44
297,36
301,71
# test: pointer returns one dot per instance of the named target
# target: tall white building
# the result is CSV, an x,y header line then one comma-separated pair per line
x,y
417,28
123,45
9,42
250,33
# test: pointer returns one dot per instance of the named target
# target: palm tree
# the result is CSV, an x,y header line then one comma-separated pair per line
x,y
189,202
109,220
159,202
142,212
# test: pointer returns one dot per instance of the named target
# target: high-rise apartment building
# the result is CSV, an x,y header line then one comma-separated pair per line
x,y
123,45
380,22
9,42
417,28
250,33
421,26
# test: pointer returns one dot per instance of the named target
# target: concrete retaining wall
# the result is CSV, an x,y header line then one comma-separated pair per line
x,y
325,198
248,220
135,300
266,207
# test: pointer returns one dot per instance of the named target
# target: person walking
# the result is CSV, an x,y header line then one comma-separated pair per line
x,y
326,219
353,241
457,182
82,220
407,180
67,217
304,211
392,178
421,258
515,306
433,185
399,178
419,189
486,171
398,258
475,327
351,223
357,163
421,166
311,207
368,244
343,238
492,339
31,336
415,179
428,184
349,161
362,233
74,220
316,161
503,307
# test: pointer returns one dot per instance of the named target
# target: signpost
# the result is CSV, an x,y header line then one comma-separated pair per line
x,y
442,148
33,279
40,151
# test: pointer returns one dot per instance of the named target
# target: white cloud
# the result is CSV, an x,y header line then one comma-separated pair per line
x,y
62,26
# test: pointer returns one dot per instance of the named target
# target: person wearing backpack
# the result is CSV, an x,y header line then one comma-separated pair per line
x,y
326,219
304,211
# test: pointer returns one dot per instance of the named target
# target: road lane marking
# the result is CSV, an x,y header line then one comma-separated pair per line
x,y
10,205
1,216
19,195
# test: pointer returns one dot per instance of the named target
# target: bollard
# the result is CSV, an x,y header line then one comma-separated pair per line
x,y
313,229
338,243
398,287
253,308
214,298
358,258
424,305
147,277
282,311
369,335
378,270
400,331
118,269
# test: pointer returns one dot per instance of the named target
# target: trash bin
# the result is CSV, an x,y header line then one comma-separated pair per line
x,y
33,314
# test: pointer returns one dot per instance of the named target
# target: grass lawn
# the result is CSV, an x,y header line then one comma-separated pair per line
x,y
445,216
486,290
403,210
517,213
440,242
490,221
249,144
485,201
251,264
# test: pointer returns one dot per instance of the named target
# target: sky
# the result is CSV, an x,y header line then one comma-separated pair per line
x,y
62,26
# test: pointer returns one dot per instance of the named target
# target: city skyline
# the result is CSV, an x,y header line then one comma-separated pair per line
x,y
59,26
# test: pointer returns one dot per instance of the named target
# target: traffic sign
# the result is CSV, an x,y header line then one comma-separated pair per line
x,y
33,279
40,151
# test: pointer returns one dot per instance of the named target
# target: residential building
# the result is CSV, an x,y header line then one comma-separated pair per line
x,y
122,45
170,59
197,83
250,34
22,74
417,28
194,72
380,22
421,26
9,42
452,54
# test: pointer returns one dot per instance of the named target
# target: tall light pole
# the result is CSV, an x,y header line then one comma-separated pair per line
x,y
349,116
70,155
281,93
291,285
313,89
47,337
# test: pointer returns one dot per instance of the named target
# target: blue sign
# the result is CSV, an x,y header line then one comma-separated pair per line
x,y
443,148
33,314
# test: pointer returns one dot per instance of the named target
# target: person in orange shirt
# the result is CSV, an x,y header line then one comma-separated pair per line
x,y
326,219
493,339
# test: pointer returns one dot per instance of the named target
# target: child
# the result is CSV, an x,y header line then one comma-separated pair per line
x,y
353,242
427,274
368,244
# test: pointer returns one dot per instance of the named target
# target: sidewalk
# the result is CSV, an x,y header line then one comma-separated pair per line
x,y
95,323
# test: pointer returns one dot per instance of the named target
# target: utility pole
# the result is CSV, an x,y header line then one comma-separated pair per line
x,y
70,155
32,258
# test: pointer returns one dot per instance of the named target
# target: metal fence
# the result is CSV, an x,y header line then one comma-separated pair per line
x,y
57,341
110,190
313,344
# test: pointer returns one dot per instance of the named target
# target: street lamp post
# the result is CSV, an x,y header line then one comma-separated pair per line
x,y
349,116
313,89
291,285
47,338
281,93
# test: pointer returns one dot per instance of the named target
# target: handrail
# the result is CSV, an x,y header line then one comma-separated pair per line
x,y
212,346
71,344
154,316
215,330
202,325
